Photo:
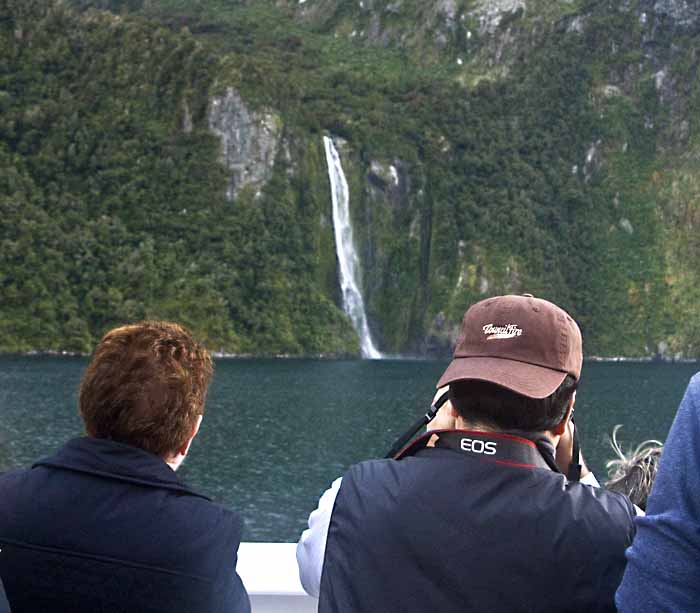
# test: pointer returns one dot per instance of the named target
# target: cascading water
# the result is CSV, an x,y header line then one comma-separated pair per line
x,y
347,257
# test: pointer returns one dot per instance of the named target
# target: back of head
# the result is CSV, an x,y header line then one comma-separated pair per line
x,y
633,473
145,386
499,408
516,364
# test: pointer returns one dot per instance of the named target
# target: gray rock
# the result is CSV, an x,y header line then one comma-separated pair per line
x,y
610,91
186,118
249,141
388,183
491,12
483,285
593,160
577,25
439,321
448,8
626,225
383,174
684,13
374,31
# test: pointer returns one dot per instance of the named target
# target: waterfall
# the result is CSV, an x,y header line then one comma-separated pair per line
x,y
347,257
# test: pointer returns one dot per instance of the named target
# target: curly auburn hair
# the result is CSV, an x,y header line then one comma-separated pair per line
x,y
145,386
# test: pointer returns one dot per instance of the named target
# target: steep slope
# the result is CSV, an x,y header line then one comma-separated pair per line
x,y
490,146
113,199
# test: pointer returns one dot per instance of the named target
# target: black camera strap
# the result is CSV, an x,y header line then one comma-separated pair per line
x,y
430,414
498,447
543,447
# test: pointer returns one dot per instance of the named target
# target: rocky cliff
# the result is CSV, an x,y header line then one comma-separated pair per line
x,y
249,141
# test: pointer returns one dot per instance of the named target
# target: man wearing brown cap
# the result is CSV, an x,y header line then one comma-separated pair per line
x,y
478,514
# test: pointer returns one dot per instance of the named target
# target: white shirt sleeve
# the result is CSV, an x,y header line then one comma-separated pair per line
x,y
311,547
590,479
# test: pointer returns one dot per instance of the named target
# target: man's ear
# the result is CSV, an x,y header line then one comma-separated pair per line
x,y
560,428
453,412
186,447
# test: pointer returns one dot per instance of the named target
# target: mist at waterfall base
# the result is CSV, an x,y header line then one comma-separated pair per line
x,y
277,432
348,261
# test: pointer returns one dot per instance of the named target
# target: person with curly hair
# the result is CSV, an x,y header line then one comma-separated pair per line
x,y
105,524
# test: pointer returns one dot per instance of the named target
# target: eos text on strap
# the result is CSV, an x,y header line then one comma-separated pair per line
x,y
500,448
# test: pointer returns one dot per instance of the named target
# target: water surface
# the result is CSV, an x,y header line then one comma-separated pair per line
x,y
277,432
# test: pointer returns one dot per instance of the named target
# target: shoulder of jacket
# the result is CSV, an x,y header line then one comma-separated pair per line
x,y
368,467
14,476
614,508
215,509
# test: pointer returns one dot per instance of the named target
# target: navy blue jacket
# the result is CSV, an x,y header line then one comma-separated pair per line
x,y
451,532
102,526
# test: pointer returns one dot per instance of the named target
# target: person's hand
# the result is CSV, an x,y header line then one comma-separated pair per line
x,y
565,448
565,451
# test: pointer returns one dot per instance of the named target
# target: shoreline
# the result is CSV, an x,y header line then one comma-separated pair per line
x,y
221,355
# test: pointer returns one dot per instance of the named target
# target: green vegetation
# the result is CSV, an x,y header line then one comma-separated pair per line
x,y
112,212
529,178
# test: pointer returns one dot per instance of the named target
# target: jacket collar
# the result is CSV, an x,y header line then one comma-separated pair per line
x,y
112,460
538,448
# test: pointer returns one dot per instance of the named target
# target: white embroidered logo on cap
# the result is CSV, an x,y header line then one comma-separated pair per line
x,y
501,332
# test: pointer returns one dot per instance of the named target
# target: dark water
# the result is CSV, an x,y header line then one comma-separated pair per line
x,y
277,432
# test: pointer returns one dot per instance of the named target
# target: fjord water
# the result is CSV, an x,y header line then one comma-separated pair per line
x,y
277,432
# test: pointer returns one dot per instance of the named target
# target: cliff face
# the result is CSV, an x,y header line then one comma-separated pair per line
x,y
632,133
249,141
637,66
489,145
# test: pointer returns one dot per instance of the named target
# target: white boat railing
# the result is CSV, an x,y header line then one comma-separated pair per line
x,y
270,574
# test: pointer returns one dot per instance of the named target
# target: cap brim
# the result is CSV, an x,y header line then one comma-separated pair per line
x,y
523,378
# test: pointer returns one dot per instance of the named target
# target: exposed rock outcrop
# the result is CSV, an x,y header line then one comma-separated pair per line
x,y
683,14
249,141
490,14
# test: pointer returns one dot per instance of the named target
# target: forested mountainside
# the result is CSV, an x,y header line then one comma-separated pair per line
x,y
164,158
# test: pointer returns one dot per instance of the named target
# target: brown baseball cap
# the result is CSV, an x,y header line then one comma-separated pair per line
x,y
522,343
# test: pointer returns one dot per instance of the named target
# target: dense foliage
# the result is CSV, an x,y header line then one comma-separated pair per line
x,y
112,212
531,180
